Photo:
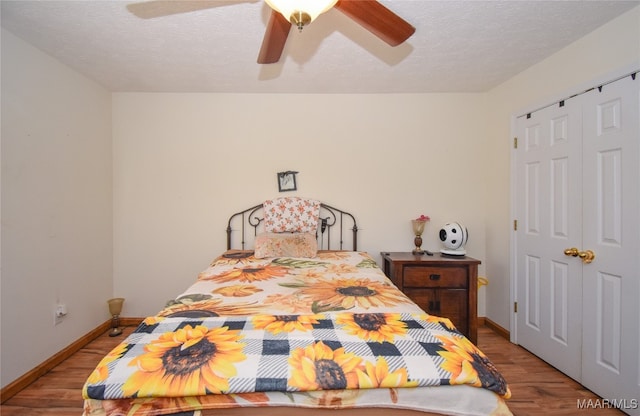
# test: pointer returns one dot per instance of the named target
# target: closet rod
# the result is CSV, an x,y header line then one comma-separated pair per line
x,y
631,74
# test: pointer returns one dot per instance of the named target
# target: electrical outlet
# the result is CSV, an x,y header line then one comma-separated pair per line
x,y
59,313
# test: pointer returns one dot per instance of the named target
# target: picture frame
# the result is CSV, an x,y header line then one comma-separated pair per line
x,y
287,181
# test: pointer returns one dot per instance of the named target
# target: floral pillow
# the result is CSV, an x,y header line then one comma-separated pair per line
x,y
285,245
291,215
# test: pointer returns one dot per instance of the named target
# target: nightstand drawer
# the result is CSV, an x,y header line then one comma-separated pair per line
x,y
420,276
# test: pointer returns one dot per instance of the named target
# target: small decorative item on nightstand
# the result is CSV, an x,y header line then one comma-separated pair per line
x,y
115,309
418,229
454,236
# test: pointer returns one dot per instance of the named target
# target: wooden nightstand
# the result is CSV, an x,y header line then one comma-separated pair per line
x,y
441,285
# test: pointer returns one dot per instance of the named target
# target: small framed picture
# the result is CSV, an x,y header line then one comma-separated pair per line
x,y
287,181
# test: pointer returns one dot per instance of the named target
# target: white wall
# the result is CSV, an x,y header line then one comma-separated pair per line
x,y
612,49
183,163
56,206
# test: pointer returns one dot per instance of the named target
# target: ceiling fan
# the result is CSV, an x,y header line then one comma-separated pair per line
x,y
370,14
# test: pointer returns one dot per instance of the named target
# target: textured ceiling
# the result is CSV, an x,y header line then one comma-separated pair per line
x,y
459,46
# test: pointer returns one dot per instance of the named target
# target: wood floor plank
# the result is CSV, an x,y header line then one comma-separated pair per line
x,y
537,388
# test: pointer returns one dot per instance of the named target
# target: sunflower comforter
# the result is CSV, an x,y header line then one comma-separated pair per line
x,y
288,331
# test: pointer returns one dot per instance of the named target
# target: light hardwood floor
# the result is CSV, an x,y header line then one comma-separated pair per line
x,y
536,387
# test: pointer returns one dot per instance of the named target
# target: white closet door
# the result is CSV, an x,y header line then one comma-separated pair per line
x,y
578,186
549,286
611,192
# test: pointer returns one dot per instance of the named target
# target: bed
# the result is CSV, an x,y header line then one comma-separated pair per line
x,y
293,320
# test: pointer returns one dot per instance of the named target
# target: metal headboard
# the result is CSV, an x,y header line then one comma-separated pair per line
x,y
249,223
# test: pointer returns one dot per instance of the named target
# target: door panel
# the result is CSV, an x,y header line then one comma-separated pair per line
x,y
559,185
611,153
532,195
548,207
607,312
532,294
559,302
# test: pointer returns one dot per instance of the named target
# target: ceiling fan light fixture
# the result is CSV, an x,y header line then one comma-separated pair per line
x,y
301,12
300,19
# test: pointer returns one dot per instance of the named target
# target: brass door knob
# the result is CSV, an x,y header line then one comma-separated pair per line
x,y
587,256
573,251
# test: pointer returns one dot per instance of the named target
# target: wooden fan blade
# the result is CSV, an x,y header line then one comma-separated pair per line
x,y
377,19
158,8
274,39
